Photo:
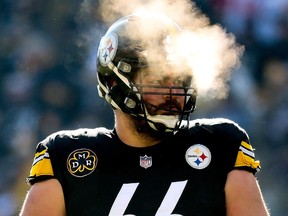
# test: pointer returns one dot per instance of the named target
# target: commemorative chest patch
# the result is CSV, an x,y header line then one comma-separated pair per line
x,y
82,162
198,156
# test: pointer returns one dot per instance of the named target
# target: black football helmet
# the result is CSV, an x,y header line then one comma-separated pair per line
x,y
126,50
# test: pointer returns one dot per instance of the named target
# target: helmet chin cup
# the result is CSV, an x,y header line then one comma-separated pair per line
x,y
163,123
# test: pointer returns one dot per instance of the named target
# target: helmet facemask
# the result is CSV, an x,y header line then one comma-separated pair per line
x,y
170,104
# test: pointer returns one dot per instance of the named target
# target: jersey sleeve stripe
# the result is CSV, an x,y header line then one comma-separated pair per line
x,y
246,157
41,157
246,145
41,165
247,152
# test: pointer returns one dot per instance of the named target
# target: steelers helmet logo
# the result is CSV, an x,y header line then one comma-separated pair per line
x,y
198,156
81,162
107,49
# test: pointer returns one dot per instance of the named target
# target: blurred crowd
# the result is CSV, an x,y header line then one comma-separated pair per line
x,y
48,83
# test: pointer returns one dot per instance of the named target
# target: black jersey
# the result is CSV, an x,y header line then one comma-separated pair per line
x,y
185,174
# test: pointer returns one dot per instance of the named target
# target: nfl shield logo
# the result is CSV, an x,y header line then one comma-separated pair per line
x,y
145,161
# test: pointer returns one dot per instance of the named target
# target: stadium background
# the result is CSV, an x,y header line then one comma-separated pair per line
x,y
47,81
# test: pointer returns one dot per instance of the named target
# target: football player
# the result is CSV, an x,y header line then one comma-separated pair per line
x,y
155,161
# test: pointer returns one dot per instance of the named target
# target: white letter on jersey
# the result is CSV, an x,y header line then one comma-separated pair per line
x,y
171,198
123,198
166,208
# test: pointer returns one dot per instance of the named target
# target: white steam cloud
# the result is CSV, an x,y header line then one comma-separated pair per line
x,y
210,51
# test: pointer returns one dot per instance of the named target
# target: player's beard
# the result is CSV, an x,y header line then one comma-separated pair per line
x,y
144,129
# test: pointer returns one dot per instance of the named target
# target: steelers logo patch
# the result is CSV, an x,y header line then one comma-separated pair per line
x,y
198,156
82,162
107,49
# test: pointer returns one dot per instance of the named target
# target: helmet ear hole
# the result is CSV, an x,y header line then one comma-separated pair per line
x,y
111,83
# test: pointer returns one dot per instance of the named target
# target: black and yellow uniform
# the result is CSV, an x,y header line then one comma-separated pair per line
x,y
185,174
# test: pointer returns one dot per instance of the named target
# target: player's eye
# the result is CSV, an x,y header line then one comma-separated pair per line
x,y
178,82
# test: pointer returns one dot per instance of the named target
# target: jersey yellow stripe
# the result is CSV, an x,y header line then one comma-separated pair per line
x,y
42,167
37,154
247,145
244,160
